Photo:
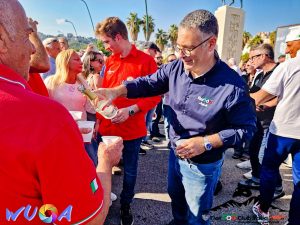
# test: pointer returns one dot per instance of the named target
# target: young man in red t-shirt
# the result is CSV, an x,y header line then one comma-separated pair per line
x,y
125,63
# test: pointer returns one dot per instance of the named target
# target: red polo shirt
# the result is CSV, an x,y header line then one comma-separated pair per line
x,y
43,160
117,70
37,84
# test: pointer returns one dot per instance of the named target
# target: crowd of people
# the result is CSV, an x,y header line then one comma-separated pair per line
x,y
207,106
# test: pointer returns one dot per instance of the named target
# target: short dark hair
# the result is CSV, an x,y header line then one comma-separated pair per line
x,y
112,26
202,19
151,45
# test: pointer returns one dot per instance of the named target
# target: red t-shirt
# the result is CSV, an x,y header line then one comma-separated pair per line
x,y
43,160
37,84
117,70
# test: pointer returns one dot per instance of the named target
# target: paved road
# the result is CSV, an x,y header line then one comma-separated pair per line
x,y
151,204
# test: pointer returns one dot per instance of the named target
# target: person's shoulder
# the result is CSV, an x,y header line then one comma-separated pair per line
x,y
46,106
227,73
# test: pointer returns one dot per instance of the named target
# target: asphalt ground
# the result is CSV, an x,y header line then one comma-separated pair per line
x,y
151,204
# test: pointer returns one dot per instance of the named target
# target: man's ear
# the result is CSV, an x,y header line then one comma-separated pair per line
x,y
3,41
118,37
212,43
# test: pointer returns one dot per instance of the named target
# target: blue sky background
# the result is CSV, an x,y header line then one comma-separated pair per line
x,y
261,15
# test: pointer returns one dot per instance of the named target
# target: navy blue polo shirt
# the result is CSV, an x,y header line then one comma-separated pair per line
x,y
217,102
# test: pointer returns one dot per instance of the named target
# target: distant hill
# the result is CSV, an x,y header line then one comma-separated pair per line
x,y
76,43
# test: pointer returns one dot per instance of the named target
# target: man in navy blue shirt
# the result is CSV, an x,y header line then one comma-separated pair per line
x,y
210,112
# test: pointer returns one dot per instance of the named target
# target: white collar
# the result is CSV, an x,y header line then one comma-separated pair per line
x,y
12,81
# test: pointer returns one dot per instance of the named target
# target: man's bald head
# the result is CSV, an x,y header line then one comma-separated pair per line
x,y
15,46
7,18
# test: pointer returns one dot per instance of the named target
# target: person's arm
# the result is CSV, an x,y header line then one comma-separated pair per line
x,y
108,156
73,172
39,61
262,96
97,81
241,118
148,86
195,146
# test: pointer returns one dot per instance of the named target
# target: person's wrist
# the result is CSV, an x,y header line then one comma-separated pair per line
x,y
131,111
120,91
104,165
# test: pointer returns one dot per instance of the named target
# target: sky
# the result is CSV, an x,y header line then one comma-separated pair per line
x,y
260,15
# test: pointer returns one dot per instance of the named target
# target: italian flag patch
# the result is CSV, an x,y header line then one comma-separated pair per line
x,y
94,185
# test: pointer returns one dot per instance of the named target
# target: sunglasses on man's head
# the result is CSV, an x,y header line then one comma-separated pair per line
x,y
99,60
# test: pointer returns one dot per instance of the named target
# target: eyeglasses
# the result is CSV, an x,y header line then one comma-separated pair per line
x,y
98,60
255,56
187,52
171,60
159,57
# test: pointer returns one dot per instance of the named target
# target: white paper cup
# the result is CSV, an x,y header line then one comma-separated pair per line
x,y
109,139
77,115
87,138
179,142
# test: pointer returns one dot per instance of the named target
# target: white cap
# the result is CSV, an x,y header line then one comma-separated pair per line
x,y
293,35
49,41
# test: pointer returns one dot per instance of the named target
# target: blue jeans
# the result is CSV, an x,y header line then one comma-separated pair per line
x,y
191,188
276,151
130,161
149,116
154,131
167,111
92,151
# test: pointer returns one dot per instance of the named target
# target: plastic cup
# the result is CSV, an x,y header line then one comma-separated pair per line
x,y
179,142
87,138
109,139
107,111
77,115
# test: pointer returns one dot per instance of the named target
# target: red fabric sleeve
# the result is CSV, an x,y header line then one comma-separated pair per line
x,y
37,84
67,176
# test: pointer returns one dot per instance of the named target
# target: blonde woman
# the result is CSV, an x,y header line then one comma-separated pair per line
x,y
62,87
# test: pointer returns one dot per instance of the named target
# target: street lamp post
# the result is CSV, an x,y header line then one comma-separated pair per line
x,y
89,14
147,23
68,21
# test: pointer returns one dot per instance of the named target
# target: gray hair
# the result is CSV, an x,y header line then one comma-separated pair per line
x,y
202,19
7,18
265,49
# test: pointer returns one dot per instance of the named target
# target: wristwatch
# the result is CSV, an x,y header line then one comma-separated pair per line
x,y
207,145
131,111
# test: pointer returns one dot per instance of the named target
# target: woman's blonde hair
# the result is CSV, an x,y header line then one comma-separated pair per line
x,y
62,69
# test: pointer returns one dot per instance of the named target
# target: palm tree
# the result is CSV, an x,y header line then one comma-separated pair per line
x,y
256,40
173,34
161,39
273,38
133,23
151,26
246,37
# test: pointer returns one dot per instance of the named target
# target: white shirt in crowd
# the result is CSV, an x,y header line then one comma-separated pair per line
x,y
285,83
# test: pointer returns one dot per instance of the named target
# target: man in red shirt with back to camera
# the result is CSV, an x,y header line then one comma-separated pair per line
x,y
126,63
43,160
